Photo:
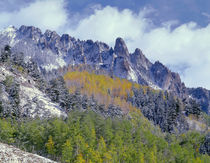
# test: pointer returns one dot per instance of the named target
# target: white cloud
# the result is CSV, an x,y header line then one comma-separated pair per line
x,y
187,46
107,24
185,49
45,14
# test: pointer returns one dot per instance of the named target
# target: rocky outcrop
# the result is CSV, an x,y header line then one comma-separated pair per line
x,y
140,61
121,48
10,154
167,80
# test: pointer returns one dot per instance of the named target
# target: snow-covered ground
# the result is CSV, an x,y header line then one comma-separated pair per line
x,y
11,33
33,102
10,154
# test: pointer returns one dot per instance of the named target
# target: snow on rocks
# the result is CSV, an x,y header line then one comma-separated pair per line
x,y
10,154
33,102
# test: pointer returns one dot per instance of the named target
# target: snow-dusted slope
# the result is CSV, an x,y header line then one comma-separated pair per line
x,y
33,102
10,154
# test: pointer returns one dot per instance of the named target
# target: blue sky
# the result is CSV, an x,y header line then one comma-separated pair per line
x,y
175,32
182,10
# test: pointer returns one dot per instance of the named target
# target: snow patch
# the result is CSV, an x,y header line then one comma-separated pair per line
x,y
11,33
114,55
49,67
154,86
41,105
4,73
33,102
196,125
11,29
59,62
190,97
132,75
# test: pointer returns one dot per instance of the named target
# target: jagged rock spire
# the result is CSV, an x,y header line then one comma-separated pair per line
x,y
120,48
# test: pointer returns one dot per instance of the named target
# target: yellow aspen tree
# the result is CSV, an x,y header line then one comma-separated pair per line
x,y
50,146
79,159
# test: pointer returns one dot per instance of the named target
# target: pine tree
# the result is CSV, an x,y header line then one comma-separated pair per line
x,y
58,92
18,59
67,152
6,54
1,109
6,132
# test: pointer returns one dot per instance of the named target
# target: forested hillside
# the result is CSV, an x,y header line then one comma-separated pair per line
x,y
162,107
89,137
99,118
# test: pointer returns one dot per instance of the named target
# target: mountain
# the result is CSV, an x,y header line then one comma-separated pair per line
x,y
83,101
52,51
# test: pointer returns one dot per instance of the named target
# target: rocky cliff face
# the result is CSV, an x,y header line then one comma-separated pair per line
x,y
167,80
52,51
203,97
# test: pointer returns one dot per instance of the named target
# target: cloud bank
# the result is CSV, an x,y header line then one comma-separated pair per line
x,y
185,48
45,14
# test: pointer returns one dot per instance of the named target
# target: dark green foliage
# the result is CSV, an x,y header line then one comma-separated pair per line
x,y
5,54
1,109
33,70
162,108
92,138
18,59
16,63
193,108
205,147
58,92
12,88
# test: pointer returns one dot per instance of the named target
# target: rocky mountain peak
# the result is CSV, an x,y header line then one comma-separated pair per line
x,y
138,51
10,29
121,48
159,65
51,34
139,59
30,31
167,80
